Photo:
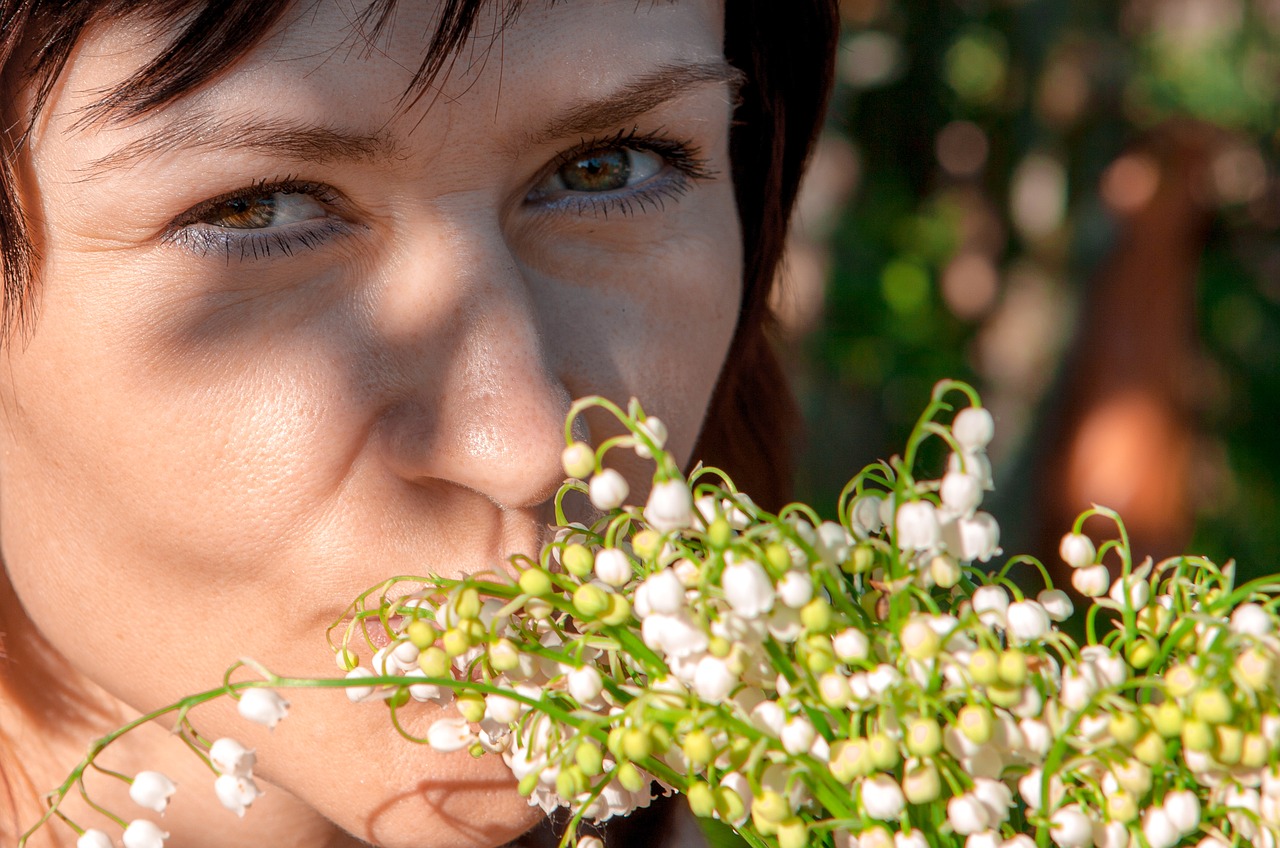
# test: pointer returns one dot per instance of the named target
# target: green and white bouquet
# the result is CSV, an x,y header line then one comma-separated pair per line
x,y
875,682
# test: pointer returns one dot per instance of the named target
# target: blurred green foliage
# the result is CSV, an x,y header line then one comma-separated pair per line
x,y
974,141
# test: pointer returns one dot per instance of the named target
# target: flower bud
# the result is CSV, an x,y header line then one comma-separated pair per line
x,y
613,567
976,724
652,427
590,601
851,645
882,798
921,783
608,490
1122,806
145,834
945,571
236,793
230,757
151,789
590,842
923,737
702,800
793,833
1131,591
670,506
1092,581
919,641
263,706
579,460
1077,550
973,428
359,693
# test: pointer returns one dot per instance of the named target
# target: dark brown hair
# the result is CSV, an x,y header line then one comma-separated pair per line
x,y
785,49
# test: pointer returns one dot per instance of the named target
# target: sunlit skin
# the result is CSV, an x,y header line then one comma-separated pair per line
x,y
209,449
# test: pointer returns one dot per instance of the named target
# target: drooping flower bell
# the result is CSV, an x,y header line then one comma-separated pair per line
x,y
263,706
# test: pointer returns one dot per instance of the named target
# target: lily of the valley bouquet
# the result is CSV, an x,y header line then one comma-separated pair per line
x,y
875,682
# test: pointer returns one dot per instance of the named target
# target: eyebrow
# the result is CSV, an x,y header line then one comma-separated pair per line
x,y
200,129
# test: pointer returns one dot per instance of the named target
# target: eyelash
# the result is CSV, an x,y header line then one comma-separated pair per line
x,y
683,166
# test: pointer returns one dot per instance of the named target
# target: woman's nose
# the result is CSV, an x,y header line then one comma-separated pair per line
x,y
475,403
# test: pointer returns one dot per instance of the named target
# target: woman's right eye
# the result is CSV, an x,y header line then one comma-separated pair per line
x,y
261,221
259,211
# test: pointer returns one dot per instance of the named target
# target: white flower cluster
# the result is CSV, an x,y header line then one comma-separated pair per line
x,y
870,682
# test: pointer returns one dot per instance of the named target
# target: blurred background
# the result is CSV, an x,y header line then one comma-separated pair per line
x,y
1074,206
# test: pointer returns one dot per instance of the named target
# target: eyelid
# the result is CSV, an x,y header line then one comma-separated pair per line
x,y
289,185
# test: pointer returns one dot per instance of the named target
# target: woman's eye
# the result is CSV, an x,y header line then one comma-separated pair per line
x,y
602,170
262,210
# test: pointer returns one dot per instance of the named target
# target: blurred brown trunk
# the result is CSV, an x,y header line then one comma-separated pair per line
x,y
1124,432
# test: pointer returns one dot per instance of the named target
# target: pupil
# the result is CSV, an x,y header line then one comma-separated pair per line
x,y
606,170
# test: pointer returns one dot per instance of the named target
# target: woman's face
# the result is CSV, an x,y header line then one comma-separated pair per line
x,y
293,339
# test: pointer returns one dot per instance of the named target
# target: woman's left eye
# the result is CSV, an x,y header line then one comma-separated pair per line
x,y
603,169
262,210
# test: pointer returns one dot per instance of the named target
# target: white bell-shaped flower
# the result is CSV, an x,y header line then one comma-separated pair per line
x,y
142,833
797,735
236,793
608,490
1158,829
713,680
585,684
1183,809
975,538
1070,827
991,603
851,645
747,588
230,757
152,790
865,515
967,815
94,838
1132,590
612,567
918,526
359,693
664,593
1110,835
1251,620
1092,581
1018,840
910,839
450,734
961,493
983,839
652,427
1077,550
263,706
670,506
996,796
1057,604
882,798
1027,621
503,711
973,428
795,589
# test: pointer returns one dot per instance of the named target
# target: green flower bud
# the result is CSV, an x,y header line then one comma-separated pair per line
x,y
702,801
399,698
1013,667
976,724
474,629
589,758
777,558
739,750
1150,750
860,561
718,646
698,748
771,806
1167,719
1125,728
631,778
1142,652
850,760
884,751
577,560
535,582
922,784
347,659
468,603
819,662
816,616
528,783
919,640
1256,752
579,460
984,666
1254,669
1122,806
434,662
503,655
566,787
470,705
476,750
719,534
793,833
661,738
1197,736
945,571
636,744
729,804
1181,680
619,611
762,824
1004,696
1230,745
923,737
590,601
456,642
647,544
422,634
1212,706
614,742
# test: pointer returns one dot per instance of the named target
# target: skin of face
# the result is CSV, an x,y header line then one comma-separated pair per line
x,y
216,436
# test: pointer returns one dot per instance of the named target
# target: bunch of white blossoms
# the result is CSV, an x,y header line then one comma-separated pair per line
x,y
870,682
